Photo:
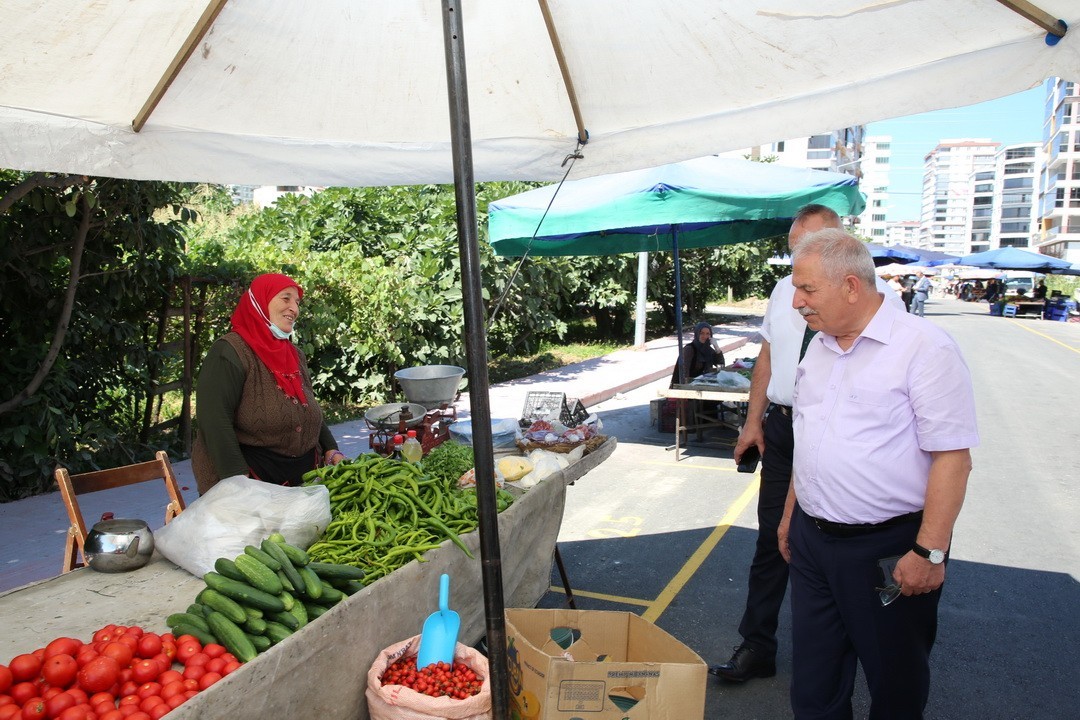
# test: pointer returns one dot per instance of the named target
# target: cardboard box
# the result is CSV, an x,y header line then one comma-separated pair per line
x,y
593,665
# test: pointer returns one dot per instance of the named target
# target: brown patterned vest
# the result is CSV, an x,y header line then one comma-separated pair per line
x,y
266,416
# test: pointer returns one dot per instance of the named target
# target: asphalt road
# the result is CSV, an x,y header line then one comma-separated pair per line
x,y
673,541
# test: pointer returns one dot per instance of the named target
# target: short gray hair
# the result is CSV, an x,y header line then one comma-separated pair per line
x,y
841,255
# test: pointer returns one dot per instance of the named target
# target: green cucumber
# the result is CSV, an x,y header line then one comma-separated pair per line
x,y
283,618
332,571
228,568
276,537
330,595
197,609
201,635
312,584
315,611
274,550
288,586
228,607
232,637
259,575
276,631
261,643
287,601
349,587
296,556
300,613
242,593
254,626
262,557
189,619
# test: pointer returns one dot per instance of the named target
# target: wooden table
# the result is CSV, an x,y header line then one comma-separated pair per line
x,y
320,671
682,393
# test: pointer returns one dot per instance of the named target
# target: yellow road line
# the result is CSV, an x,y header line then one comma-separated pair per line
x,y
602,596
1044,335
691,566
686,465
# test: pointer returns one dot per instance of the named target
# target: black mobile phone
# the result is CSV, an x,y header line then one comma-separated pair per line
x,y
749,461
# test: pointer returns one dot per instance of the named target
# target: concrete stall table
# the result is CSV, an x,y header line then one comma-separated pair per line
x,y
320,671
696,393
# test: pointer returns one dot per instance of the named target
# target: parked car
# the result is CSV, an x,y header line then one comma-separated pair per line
x,y
1017,282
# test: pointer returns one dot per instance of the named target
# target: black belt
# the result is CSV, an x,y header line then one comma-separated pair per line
x,y
784,409
841,530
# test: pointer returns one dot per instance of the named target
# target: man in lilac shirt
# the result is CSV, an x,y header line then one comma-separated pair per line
x,y
884,418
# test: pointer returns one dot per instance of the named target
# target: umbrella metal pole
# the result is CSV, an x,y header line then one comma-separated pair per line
x,y
476,355
678,301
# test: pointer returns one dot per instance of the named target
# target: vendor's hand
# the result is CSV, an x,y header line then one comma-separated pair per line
x,y
750,434
783,534
333,457
917,575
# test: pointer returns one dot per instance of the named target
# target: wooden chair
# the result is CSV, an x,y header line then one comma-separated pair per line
x,y
158,469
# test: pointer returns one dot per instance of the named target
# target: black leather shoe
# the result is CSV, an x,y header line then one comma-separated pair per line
x,y
745,663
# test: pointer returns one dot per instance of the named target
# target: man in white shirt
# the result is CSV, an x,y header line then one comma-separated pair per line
x,y
772,388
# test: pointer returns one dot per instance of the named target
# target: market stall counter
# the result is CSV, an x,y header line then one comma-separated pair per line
x,y
319,671
690,416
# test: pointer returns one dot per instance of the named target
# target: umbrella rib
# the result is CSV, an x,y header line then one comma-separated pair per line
x,y
560,57
178,62
1037,15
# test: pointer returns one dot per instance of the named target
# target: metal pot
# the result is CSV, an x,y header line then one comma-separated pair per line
x,y
118,545
385,417
430,385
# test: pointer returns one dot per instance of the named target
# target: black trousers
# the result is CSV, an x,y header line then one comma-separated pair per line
x,y
769,571
838,620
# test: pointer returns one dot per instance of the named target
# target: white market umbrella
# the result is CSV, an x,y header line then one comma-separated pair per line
x,y
346,93
339,92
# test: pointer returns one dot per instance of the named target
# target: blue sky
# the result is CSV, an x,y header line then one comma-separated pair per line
x,y
1008,120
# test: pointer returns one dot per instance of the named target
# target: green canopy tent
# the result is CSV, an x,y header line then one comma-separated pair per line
x,y
704,202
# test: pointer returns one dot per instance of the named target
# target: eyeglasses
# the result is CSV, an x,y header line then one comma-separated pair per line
x,y
891,591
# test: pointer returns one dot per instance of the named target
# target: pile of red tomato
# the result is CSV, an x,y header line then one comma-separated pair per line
x,y
437,680
123,672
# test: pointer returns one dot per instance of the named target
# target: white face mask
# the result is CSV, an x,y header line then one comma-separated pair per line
x,y
278,332
274,329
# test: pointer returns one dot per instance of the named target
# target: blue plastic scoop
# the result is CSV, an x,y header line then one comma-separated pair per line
x,y
438,639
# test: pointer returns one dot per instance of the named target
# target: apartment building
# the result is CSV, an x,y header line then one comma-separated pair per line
x,y
1014,206
949,171
1058,233
874,183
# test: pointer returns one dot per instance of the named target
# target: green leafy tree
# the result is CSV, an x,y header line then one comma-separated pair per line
x,y
86,265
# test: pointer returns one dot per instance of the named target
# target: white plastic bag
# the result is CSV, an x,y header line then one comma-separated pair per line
x,y
545,463
241,511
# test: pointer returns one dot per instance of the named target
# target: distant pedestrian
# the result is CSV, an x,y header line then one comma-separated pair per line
x,y
922,293
884,419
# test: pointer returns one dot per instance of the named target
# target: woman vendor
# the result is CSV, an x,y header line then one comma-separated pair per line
x,y
257,415
701,356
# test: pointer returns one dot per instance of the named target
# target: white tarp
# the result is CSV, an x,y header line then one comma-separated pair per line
x,y
351,92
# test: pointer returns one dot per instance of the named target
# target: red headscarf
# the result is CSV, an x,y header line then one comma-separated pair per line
x,y
251,320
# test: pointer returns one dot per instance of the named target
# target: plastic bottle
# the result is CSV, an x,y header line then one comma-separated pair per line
x,y
411,450
398,442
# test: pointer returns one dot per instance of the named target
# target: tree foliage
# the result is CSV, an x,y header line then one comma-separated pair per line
x,y
84,263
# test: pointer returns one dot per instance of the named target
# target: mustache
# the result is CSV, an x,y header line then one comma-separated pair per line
x,y
807,311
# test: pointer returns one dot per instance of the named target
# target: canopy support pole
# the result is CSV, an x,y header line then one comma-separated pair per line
x,y
179,60
642,287
1037,15
678,302
476,355
560,57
